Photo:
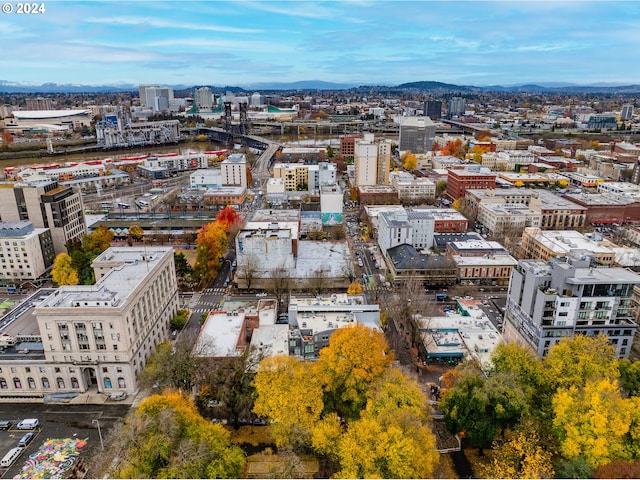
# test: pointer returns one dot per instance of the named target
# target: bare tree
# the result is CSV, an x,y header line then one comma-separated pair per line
x,y
348,271
247,269
317,281
280,282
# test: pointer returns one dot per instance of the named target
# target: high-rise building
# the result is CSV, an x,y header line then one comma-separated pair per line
x,y
433,109
565,297
46,205
366,161
27,252
256,100
155,97
416,135
234,170
39,103
627,112
203,98
456,107
384,162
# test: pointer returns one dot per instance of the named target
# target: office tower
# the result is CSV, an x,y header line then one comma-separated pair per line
x,y
627,112
456,107
433,109
416,135
203,98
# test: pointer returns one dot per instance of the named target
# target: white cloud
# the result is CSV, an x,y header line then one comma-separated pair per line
x,y
159,23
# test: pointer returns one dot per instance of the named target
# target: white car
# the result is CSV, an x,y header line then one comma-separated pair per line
x,y
263,294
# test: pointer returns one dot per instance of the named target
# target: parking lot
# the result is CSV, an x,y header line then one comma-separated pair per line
x,y
57,421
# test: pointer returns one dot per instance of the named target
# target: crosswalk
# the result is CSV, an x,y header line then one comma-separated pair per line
x,y
215,291
205,307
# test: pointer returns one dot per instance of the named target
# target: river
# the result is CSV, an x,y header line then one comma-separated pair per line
x,y
289,140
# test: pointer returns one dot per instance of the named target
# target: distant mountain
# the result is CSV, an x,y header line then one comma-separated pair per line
x,y
435,86
312,85
301,85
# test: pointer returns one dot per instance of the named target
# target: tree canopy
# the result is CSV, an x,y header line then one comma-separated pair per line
x,y
63,272
212,244
167,438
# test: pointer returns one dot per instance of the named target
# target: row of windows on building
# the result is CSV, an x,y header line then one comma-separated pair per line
x,y
60,383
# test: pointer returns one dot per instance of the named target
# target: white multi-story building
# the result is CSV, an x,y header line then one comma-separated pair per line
x,y
205,178
411,189
422,227
177,163
26,253
94,337
321,174
234,170
507,160
502,219
393,230
549,301
331,203
366,162
203,98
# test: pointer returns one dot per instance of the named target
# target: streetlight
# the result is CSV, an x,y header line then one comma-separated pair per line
x,y
95,420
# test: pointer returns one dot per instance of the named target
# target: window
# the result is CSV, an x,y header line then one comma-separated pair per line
x,y
3,383
45,382
17,383
121,383
31,382
107,382
60,382
74,383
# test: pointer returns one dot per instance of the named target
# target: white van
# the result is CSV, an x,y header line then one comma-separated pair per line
x,y
11,456
28,424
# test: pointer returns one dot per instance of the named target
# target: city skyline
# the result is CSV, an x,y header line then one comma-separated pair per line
x,y
360,42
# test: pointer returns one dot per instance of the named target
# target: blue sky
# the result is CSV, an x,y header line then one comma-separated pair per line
x,y
356,42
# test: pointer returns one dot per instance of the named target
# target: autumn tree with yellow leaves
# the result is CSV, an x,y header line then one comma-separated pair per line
x,y
63,272
165,437
409,160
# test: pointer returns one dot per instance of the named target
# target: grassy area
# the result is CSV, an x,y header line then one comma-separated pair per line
x,y
190,254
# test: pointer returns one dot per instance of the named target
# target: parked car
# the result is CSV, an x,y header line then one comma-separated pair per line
x,y
5,424
118,396
26,439
261,294
28,424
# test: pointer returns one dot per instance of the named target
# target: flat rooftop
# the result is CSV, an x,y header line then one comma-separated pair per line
x,y
130,266
220,334
563,241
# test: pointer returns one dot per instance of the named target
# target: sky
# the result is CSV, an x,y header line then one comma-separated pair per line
x,y
219,43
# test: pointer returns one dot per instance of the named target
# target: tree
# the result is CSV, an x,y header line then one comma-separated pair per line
x,y
229,217
7,138
62,272
212,244
454,148
288,392
249,175
409,161
317,281
136,232
573,361
179,320
166,438
230,382
248,266
354,289
629,376
279,282
618,469
355,357
483,408
392,438
184,271
522,454
173,366
98,241
595,422
441,188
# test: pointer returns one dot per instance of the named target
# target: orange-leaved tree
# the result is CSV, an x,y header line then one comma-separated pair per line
x,y
212,244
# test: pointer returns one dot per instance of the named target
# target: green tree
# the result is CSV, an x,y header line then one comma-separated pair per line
x,y
230,382
172,365
355,357
62,272
179,320
184,271
629,376
212,244
483,408
166,438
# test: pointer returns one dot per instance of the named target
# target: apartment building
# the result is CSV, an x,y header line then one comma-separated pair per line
x,y
234,170
548,244
413,189
549,301
459,181
46,205
94,337
26,253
